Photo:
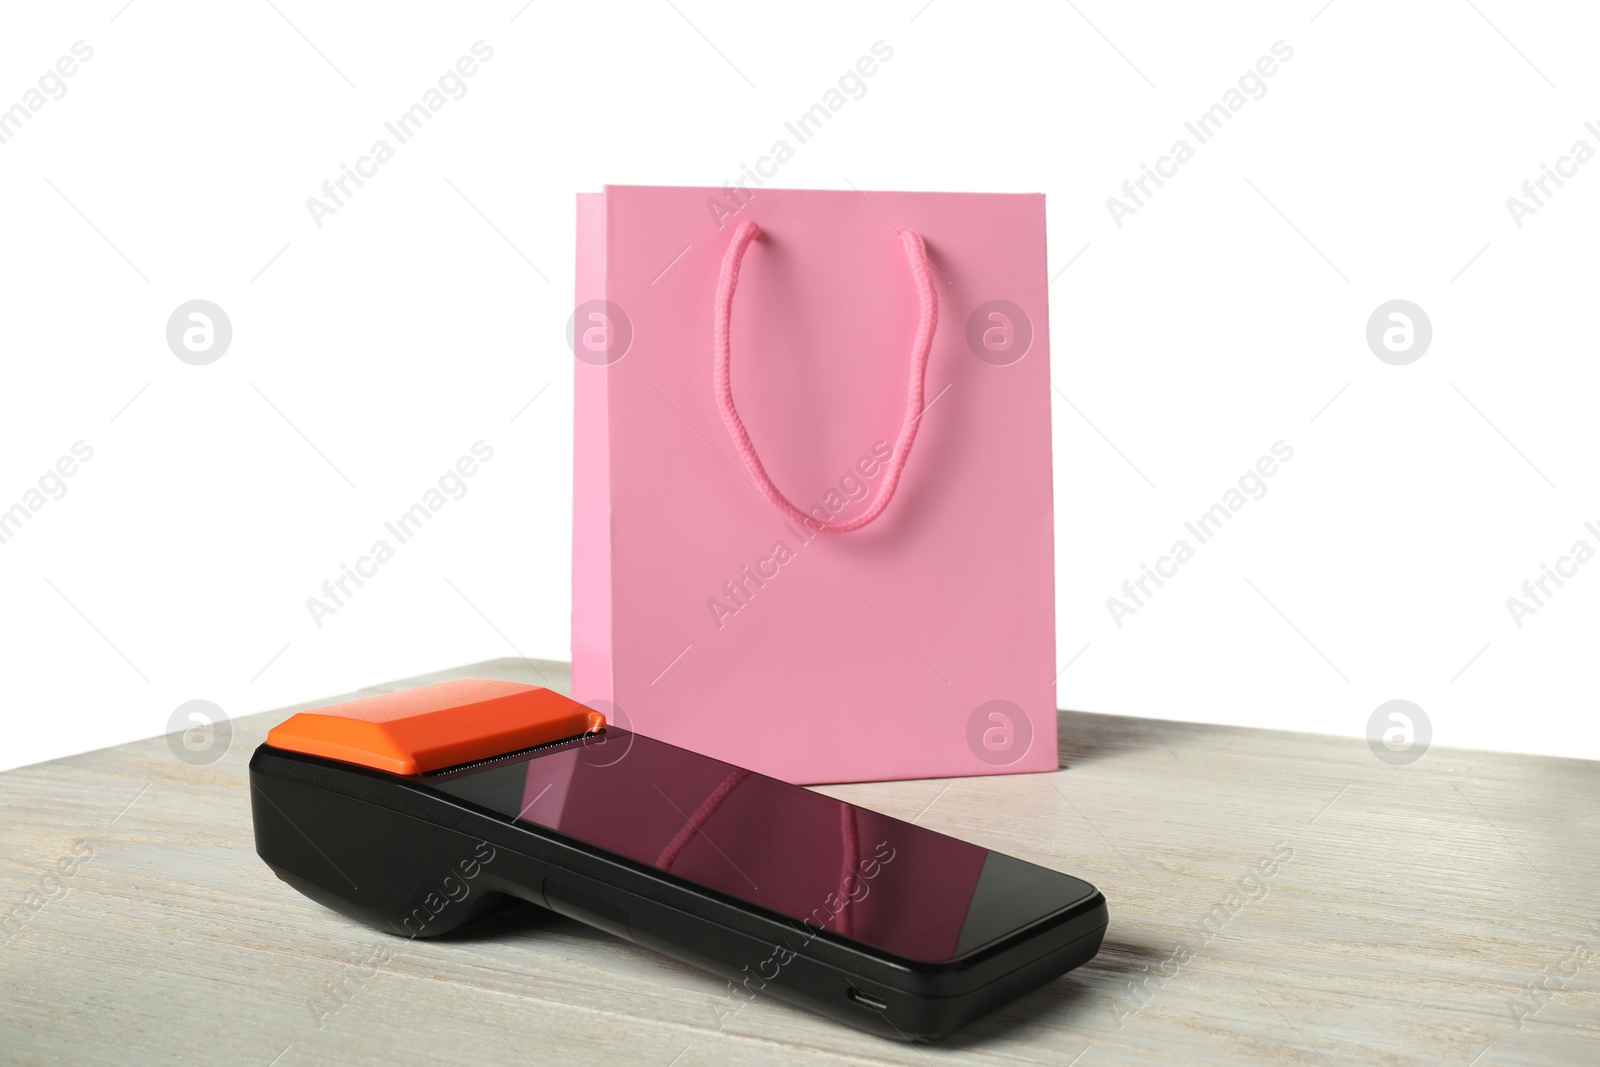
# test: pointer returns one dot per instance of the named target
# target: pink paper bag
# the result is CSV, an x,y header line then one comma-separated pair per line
x,y
813,528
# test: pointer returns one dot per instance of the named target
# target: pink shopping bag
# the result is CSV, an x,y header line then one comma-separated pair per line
x,y
813,527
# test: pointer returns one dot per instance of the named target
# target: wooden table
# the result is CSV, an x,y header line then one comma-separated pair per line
x,y
1275,898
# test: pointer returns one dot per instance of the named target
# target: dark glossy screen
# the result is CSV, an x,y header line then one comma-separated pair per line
x,y
895,886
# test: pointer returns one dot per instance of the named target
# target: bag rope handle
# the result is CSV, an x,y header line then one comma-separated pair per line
x,y
927,321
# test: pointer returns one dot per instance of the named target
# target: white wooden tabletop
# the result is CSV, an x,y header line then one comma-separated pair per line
x,y
1275,898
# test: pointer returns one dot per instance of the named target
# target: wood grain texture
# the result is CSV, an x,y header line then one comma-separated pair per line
x,y
1441,913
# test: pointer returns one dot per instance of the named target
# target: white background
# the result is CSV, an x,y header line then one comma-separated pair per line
x,y
1227,314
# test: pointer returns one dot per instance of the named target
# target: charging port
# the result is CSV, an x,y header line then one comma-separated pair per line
x,y
867,1002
